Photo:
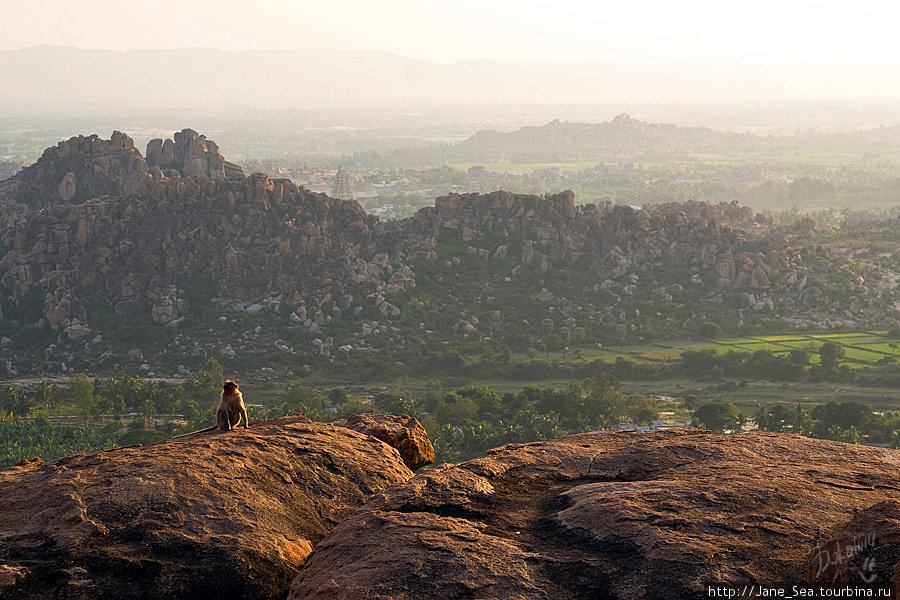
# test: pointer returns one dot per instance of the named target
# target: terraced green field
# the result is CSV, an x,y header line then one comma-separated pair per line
x,y
861,348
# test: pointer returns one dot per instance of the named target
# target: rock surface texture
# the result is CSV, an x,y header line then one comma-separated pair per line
x,y
209,515
656,515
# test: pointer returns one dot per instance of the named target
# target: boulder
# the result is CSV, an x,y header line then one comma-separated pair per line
x,y
655,515
67,187
215,514
164,312
77,332
402,432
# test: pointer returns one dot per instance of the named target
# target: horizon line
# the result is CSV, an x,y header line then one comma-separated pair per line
x,y
635,63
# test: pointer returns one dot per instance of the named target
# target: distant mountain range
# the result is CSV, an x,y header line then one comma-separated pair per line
x,y
58,77
621,135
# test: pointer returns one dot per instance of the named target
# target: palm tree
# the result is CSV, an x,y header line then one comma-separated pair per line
x,y
800,422
762,416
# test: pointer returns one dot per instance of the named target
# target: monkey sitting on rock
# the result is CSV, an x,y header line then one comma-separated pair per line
x,y
231,411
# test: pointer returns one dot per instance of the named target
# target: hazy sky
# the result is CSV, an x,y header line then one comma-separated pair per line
x,y
449,30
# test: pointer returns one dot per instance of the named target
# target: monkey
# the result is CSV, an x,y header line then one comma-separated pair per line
x,y
231,409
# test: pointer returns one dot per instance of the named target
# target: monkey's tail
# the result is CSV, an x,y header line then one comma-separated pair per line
x,y
212,428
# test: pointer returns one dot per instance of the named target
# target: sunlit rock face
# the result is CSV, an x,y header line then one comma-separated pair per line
x,y
624,515
216,514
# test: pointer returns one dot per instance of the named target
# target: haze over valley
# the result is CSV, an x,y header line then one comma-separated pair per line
x,y
620,283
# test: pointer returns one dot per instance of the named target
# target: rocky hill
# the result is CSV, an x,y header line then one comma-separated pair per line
x,y
320,511
224,514
97,234
128,231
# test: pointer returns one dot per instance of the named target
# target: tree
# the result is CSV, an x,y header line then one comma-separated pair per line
x,y
338,396
82,389
547,325
849,435
800,420
800,356
707,330
148,411
167,399
829,355
207,385
622,332
643,409
301,399
689,402
835,416
604,403
49,395
191,411
774,418
394,404
564,334
717,416
455,409
117,404
353,405
395,400
15,403
578,336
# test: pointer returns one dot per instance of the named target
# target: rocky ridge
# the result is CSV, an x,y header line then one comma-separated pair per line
x,y
656,515
230,514
620,238
94,223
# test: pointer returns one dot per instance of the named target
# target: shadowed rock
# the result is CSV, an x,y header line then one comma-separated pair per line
x,y
224,515
402,432
656,515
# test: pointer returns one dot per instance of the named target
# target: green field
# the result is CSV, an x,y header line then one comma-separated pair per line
x,y
861,348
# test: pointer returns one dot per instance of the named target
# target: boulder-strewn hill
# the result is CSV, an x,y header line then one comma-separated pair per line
x,y
217,514
130,235
657,515
95,234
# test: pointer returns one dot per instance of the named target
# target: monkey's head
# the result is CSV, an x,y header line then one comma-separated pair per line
x,y
229,387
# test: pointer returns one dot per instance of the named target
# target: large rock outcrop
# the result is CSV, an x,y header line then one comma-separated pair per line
x,y
224,515
190,153
657,515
